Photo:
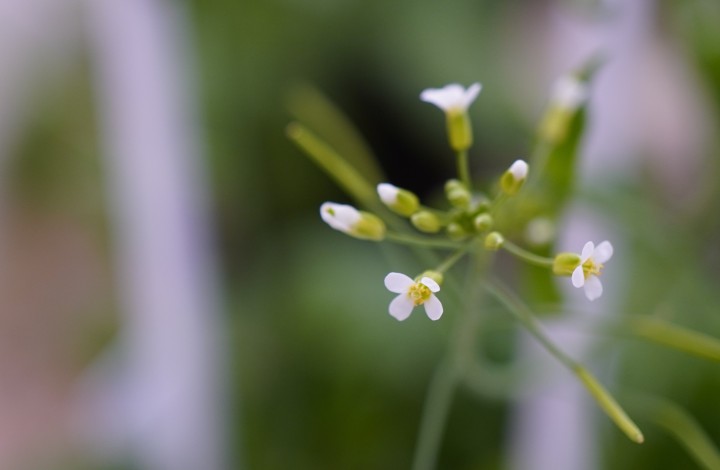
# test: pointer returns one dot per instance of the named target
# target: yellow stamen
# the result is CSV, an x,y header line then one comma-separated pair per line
x,y
419,293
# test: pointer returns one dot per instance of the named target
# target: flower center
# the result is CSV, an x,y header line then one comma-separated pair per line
x,y
591,268
419,293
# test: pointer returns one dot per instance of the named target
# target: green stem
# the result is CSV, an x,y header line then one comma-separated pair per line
x,y
464,169
604,399
424,242
434,418
531,258
454,258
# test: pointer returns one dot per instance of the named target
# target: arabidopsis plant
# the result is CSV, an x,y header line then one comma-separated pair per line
x,y
413,294
591,265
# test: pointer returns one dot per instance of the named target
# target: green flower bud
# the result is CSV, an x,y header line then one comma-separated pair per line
x,y
513,179
369,227
457,194
483,222
426,221
400,201
493,241
456,231
358,224
565,263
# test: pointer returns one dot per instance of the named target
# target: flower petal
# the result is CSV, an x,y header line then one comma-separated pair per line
x,y
388,193
433,308
578,277
519,169
452,97
398,283
593,288
430,283
587,252
401,307
471,94
603,252
339,216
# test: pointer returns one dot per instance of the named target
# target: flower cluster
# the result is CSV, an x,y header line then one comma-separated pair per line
x,y
468,223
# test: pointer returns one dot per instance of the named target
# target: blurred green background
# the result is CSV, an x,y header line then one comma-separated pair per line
x,y
321,377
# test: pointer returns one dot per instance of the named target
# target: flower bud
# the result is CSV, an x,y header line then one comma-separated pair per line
x,y
347,219
568,95
400,201
493,241
565,263
434,275
426,221
513,179
483,222
456,231
457,194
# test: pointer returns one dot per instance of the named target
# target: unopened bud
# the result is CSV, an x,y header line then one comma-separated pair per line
x,y
400,201
513,179
456,231
347,219
457,194
493,241
483,222
426,221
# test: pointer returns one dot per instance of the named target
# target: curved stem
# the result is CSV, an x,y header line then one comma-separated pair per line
x,y
454,258
603,398
523,254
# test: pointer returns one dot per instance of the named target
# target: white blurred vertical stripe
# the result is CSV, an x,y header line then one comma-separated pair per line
x,y
167,410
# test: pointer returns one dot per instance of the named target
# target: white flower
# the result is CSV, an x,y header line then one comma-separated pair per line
x,y
452,98
591,265
569,93
514,177
388,193
413,294
519,170
340,216
353,222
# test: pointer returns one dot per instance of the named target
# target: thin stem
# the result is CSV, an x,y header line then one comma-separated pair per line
x,y
416,240
464,169
531,258
435,412
604,399
500,198
452,259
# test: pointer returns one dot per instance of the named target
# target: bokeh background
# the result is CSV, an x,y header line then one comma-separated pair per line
x,y
169,298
